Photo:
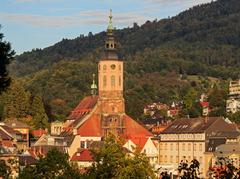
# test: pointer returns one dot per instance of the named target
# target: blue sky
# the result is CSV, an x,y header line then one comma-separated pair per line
x,y
29,24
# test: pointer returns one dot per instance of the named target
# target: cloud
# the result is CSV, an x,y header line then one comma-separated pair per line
x,y
183,3
82,18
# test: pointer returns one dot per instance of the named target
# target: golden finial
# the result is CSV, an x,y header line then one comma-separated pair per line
x,y
110,26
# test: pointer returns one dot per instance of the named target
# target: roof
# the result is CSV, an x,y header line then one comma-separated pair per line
x,y
139,141
38,133
91,127
84,155
204,104
228,148
4,135
133,128
27,160
14,123
85,106
193,125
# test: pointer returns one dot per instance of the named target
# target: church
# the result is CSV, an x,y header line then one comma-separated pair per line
x,y
100,114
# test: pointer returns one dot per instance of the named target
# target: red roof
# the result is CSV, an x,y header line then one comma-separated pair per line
x,y
38,133
204,104
85,106
6,143
139,141
133,128
91,127
83,155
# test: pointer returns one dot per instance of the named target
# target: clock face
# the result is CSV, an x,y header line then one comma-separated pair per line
x,y
113,66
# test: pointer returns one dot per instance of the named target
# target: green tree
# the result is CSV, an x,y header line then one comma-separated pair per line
x,y
54,166
112,162
234,117
40,118
5,170
6,55
16,101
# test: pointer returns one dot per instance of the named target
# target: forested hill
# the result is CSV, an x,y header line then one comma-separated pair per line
x,y
203,41
210,31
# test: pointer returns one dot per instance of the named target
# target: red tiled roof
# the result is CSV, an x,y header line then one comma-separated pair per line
x,y
83,155
204,104
6,143
91,127
38,133
85,106
133,128
139,141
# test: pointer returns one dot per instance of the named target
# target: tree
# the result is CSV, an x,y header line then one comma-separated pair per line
x,y
16,101
112,162
189,172
54,166
6,55
224,169
5,170
40,118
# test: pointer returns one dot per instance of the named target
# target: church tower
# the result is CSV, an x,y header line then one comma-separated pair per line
x,y
110,85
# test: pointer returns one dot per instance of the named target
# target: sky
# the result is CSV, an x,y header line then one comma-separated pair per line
x,y
29,24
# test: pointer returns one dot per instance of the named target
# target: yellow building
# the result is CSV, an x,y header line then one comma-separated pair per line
x,y
188,139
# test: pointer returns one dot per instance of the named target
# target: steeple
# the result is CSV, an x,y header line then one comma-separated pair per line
x,y
110,44
93,86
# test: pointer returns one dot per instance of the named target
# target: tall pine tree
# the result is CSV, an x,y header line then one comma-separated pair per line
x,y
6,55
40,118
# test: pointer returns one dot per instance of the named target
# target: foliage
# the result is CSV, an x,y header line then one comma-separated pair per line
x,y
111,161
189,172
224,168
202,41
6,55
54,165
40,118
234,116
21,104
217,101
5,170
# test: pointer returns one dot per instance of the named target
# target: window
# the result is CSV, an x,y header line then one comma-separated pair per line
x,y
183,147
112,81
104,81
200,147
119,81
165,159
189,146
119,67
82,144
165,146
171,146
104,67
195,147
177,159
161,158
171,159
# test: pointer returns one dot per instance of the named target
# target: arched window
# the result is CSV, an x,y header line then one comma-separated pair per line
x,y
119,81
112,80
104,81
104,67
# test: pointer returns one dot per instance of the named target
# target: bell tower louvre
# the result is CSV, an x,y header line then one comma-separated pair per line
x,y
110,79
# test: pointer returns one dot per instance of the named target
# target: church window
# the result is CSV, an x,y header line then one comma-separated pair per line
x,y
119,81
112,80
104,67
107,45
119,67
104,80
